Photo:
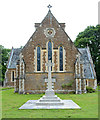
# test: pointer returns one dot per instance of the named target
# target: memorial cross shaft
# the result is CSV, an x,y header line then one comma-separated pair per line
x,y
49,64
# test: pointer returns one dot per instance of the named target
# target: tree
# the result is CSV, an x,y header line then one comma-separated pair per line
x,y
91,36
4,54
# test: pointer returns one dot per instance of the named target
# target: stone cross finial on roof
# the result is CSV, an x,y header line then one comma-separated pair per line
x,y
49,6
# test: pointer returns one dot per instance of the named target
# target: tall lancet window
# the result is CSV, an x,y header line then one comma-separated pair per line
x,y
61,58
50,51
38,59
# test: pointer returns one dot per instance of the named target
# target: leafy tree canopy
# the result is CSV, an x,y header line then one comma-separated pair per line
x,y
4,55
91,37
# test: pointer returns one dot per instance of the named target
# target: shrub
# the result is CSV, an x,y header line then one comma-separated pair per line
x,y
90,89
63,85
67,85
72,92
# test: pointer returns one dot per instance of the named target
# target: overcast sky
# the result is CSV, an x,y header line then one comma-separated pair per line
x,y
17,18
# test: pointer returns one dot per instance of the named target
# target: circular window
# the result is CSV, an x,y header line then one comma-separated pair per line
x,y
49,32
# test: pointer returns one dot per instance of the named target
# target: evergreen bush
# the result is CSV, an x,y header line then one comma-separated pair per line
x,y
90,89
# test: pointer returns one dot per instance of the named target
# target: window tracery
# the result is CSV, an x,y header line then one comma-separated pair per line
x,y
61,58
38,59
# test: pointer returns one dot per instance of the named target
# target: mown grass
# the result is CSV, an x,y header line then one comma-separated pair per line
x,y
12,101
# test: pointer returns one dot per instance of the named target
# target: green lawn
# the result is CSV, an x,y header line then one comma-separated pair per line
x,y
12,101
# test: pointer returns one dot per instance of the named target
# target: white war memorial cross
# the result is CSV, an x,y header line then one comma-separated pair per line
x,y
49,80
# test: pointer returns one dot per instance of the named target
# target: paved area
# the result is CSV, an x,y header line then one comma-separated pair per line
x,y
68,104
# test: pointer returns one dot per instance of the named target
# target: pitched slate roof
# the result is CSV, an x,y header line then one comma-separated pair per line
x,y
14,56
86,59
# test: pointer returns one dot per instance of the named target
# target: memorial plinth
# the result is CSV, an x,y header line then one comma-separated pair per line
x,y
49,99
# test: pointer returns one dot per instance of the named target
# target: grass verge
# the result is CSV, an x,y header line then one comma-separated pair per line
x,y
12,101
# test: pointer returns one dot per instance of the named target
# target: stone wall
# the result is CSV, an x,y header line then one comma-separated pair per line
x,y
9,81
90,83
36,81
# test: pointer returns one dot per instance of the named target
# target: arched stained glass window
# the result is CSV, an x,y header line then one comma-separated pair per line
x,y
38,59
61,58
50,51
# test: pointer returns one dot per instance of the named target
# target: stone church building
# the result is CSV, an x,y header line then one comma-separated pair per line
x,y
73,68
